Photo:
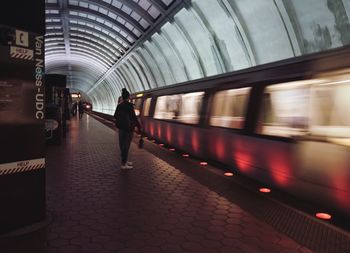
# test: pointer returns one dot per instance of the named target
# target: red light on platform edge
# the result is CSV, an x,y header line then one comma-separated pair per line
x,y
161,144
228,174
203,163
185,155
171,149
265,190
323,216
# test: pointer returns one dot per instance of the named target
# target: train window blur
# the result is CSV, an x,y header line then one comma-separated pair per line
x,y
181,107
190,107
146,107
315,107
285,109
137,105
229,108
330,105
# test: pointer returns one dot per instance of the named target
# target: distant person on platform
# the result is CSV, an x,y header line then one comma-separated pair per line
x,y
126,121
74,108
81,109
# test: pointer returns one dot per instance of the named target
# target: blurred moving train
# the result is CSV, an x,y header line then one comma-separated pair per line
x,y
285,124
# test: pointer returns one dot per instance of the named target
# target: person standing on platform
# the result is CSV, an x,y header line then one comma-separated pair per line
x,y
81,109
74,108
126,121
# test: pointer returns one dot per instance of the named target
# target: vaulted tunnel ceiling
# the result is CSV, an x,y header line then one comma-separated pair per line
x,y
105,45
85,38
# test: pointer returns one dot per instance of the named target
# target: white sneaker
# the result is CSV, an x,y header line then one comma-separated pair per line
x,y
129,163
126,167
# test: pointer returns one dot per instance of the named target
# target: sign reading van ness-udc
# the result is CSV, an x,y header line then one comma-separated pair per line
x,y
21,101
22,108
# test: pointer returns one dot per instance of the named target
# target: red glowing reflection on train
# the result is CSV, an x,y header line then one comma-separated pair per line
x,y
280,178
195,141
244,150
168,133
159,130
243,161
279,164
220,149
151,128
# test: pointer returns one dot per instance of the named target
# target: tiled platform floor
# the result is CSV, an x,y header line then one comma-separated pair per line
x,y
94,206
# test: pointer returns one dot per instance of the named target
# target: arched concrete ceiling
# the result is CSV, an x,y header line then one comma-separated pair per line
x,y
105,45
85,38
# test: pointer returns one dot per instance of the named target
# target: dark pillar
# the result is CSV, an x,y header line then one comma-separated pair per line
x,y
22,139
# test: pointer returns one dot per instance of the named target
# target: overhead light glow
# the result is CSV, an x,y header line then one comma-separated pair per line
x,y
139,95
203,163
228,174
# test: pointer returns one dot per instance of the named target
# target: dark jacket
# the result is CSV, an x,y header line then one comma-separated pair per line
x,y
81,107
125,117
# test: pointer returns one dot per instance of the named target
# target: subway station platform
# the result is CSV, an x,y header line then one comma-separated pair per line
x,y
167,203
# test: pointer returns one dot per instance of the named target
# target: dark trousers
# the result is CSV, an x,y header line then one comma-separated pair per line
x,y
124,144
